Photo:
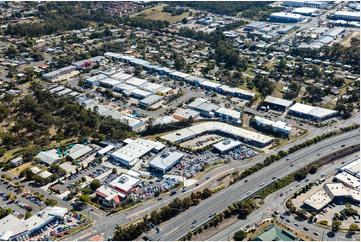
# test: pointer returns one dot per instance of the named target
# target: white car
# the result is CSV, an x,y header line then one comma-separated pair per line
x,y
262,185
249,192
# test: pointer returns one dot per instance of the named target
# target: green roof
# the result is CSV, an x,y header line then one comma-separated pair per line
x,y
274,233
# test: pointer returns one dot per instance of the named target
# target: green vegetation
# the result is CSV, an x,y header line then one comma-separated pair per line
x,y
60,16
51,202
4,212
240,235
145,24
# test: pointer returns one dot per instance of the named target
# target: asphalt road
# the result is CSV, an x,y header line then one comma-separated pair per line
x,y
275,202
179,226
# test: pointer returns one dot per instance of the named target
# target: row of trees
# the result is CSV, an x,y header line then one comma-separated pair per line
x,y
176,207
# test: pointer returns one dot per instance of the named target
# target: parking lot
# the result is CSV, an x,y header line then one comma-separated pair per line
x,y
19,204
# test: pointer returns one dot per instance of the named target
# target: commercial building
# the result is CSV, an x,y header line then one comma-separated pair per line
x,y
149,101
165,120
49,157
95,80
164,162
16,161
349,175
218,127
316,4
13,227
130,154
283,17
83,63
293,3
109,197
286,29
177,75
274,233
229,115
276,103
64,92
331,192
125,183
236,92
78,151
139,94
121,76
306,11
124,88
277,126
311,113
227,145
348,16
135,81
150,87
335,32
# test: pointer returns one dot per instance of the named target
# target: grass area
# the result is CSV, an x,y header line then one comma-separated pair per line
x,y
9,154
156,13
346,41
16,171
269,65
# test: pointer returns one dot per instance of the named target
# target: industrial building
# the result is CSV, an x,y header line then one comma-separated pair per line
x,y
227,145
149,101
164,162
349,174
95,80
255,26
185,114
283,17
306,11
310,4
335,32
286,29
105,150
139,94
278,126
12,228
218,127
16,161
275,103
204,107
108,83
78,151
124,88
229,115
311,113
135,81
121,76
130,154
49,157
348,16
57,73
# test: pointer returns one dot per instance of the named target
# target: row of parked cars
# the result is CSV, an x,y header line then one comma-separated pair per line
x,y
23,205
33,199
98,172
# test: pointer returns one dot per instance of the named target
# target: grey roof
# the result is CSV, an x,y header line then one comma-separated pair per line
x,y
164,163
49,156
325,39
274,233
278,101
226,145
257,25
151,99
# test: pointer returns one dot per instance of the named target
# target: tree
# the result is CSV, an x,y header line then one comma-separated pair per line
x,y
313,169
51,202
206,193
240,235
187,202
336,225
84,198
353,228
95,184
27,215
114,171
179,63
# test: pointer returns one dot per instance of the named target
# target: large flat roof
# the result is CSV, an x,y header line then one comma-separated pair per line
x,y
124,183
135,81
78,151
109,81
150,87
310,110
164,162
278,101
49,156
278,124
227,144
229,112
318,200
195,130
106,149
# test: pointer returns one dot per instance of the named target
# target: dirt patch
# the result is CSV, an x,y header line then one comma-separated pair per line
x,y
347,41
16,171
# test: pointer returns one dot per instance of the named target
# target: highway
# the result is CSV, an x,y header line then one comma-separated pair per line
x,y
275,202
106,224
180,225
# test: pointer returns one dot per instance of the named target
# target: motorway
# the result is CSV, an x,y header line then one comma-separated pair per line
x,y
178,227
275,202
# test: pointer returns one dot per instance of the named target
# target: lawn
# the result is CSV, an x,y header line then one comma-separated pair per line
x,y
156,13
16,171
9,154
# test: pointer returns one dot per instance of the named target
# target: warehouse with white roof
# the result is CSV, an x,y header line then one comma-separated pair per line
x,y
95,80
276,103
283,17
348,16
218,127
229,115
108,83
164,162
227,145
130,154
311,113
276,126
306,11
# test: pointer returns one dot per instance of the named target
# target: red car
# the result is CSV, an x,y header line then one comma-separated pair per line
x,y
52,233
60,235
67,232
